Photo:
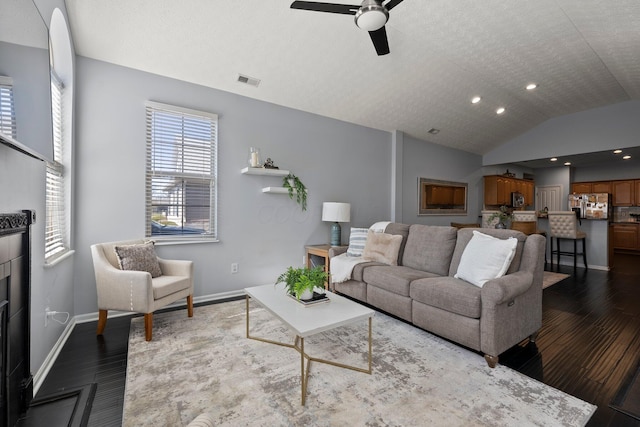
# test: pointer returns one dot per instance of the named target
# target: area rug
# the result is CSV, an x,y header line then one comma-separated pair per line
x,y
206,364
551,278
627,399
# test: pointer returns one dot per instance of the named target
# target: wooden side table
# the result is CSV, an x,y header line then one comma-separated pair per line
x,y
318,255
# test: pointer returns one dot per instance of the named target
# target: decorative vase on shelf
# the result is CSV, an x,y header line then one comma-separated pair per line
x,y
501,225
254,157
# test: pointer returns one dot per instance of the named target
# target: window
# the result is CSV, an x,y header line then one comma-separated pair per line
x,y
181,174
56,241
7,113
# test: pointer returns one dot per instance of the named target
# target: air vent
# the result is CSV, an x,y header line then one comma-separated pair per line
x,y
248,80
434,131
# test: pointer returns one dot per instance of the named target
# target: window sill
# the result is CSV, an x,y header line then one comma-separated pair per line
x,y
178,241
58,260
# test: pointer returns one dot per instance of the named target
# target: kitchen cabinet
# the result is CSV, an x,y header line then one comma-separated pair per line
x,y
591,187
581,187
601,187
626,236
498,189
623,193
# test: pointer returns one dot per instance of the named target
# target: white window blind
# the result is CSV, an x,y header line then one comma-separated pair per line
x,y
181,172
7,112
56,240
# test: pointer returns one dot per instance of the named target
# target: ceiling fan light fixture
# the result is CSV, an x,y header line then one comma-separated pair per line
x,y
371,16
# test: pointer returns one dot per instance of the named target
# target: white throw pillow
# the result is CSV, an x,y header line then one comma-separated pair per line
x,y
357,240
485,257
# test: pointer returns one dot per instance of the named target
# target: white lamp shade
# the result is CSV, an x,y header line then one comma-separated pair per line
x,y
336,212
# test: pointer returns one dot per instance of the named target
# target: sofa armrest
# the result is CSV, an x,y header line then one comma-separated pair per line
x,y
506,288
337,250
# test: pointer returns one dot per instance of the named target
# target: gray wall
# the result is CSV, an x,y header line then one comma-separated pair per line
x,y
264,233
429,160
29,69
611,127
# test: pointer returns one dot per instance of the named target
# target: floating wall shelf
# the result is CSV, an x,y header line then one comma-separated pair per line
x,y
277,190
264,171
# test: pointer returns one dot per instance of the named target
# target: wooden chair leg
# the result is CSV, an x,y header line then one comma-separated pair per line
x,y
102,321
492,361
148,326
584,253
190,305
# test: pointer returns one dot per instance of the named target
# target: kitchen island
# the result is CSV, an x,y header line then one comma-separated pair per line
x,y
599,243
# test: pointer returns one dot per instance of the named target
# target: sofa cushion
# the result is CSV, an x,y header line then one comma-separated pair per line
x,y
358,270
485,258
429,248
399,229
167,285
357,240
465,235
392,278
448,293
382,247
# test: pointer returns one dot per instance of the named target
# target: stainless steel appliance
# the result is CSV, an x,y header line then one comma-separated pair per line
x,y
591,205
517,200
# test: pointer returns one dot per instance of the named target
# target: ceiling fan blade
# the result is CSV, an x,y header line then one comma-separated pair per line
x,y
344,9
392,4
380,42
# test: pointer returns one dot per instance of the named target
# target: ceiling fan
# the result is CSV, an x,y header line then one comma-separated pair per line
x,y
370,16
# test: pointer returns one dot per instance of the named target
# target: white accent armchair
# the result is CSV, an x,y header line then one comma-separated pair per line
x,y
137,291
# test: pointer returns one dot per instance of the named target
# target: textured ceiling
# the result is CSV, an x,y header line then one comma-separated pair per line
x,y
582,53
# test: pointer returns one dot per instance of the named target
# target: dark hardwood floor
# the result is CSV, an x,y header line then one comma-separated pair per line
x,y
588,344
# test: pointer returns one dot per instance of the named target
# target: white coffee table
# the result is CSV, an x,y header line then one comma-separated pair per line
x,y
307,321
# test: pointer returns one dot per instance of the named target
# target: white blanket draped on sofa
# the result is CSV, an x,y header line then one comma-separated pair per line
x,y
342,265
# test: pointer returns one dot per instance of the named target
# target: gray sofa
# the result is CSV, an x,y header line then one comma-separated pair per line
x,y
422,288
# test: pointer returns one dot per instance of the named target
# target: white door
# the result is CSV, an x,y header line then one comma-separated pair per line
x,y
550,197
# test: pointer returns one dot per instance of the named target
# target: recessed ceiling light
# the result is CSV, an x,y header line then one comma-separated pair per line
x,y
500,110
475,99
567,163
531,86
627,157
554,159
617,151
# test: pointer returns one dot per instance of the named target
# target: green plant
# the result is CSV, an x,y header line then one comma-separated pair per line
x,y
294,186
298,280
503,215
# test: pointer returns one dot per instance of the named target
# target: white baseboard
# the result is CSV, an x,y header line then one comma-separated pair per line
x,y
46,366
42,373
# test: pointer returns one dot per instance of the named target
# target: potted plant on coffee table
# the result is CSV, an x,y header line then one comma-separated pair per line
x,y
301,282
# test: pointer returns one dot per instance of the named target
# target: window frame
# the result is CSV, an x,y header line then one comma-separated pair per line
x,y
208,177
7,107
57,241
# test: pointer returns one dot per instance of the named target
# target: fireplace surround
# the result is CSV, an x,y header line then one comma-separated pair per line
x,y
16,381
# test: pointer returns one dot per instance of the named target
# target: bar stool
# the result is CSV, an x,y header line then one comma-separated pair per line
x,y
564,226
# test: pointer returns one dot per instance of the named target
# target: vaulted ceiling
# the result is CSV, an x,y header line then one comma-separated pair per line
x,y
582,54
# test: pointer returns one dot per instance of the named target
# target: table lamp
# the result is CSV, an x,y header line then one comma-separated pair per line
x,y
336,212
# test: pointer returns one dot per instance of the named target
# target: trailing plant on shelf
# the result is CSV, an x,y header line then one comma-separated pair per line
x,y
296,188
503,215
301,279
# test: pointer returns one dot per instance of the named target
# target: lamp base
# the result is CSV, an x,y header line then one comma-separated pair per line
x,y
336,234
